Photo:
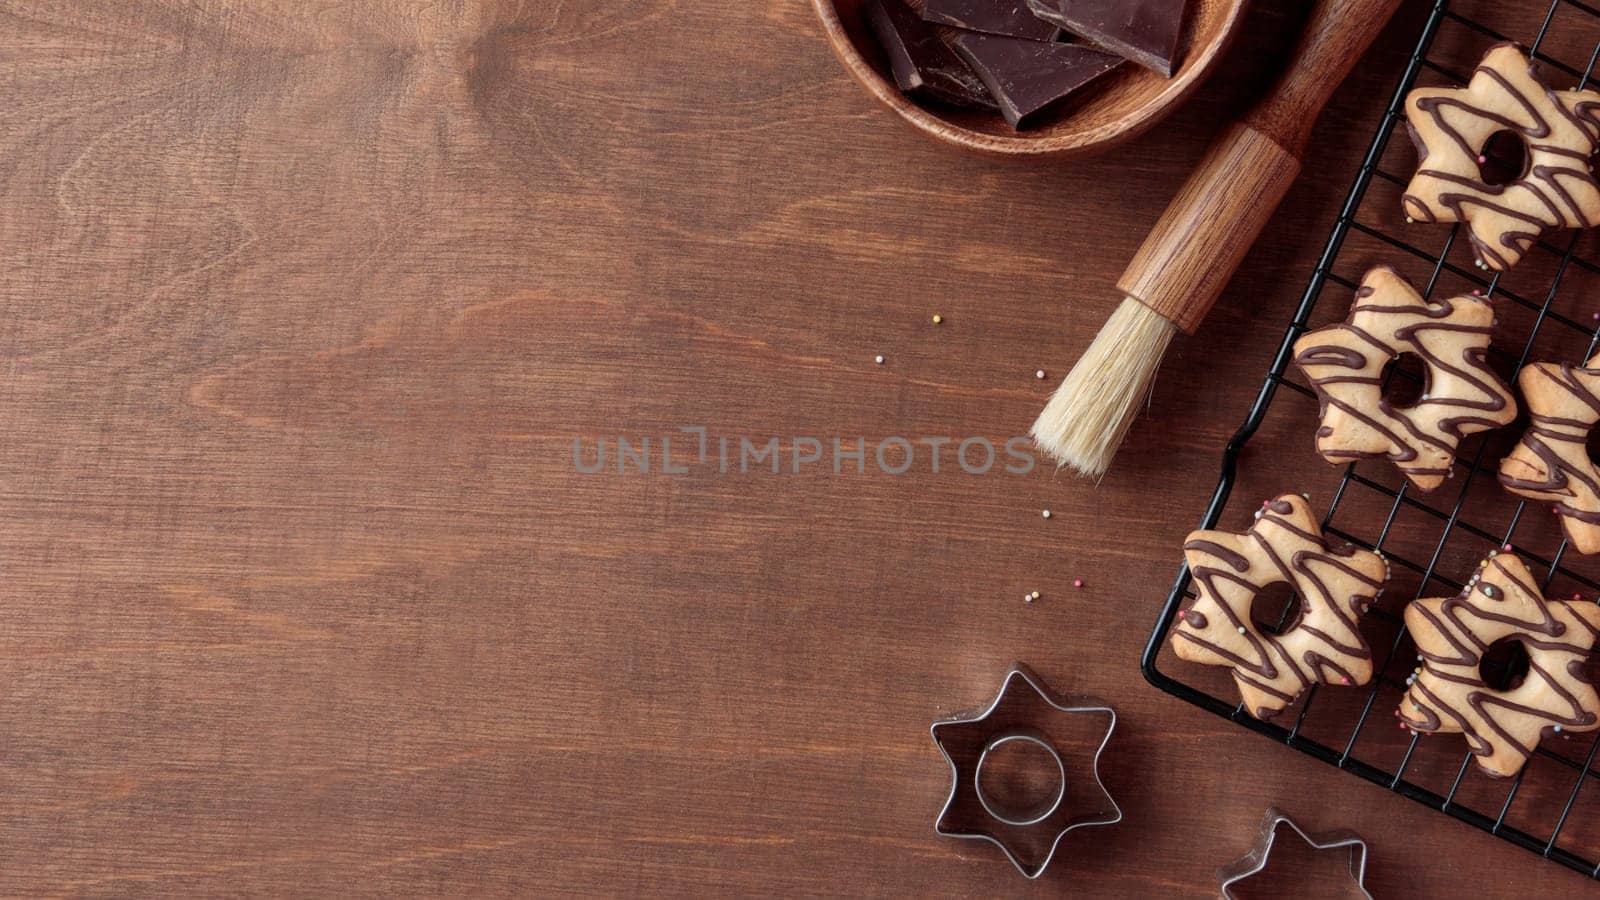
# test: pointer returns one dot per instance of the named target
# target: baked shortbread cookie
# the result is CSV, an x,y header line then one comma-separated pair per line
x,y
1461,394
1448,692
1551,463
1452,128
1322,645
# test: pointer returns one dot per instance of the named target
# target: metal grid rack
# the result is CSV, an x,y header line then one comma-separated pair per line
x,y
1449,514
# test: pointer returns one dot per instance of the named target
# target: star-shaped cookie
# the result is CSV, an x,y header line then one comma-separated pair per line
x,y
1452,128
1551,463
1448,691
1461,394
1324,644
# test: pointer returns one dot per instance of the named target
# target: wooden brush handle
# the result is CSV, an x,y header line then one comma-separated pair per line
x,y
1209,226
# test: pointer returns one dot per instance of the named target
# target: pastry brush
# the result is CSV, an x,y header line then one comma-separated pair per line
x,y
1188,257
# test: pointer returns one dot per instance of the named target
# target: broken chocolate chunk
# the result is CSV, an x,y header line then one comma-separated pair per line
x,y
1011,18
923,65
1028,76
1145,31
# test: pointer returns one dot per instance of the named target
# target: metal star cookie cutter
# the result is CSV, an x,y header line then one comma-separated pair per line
x,y
1030,835
1252,863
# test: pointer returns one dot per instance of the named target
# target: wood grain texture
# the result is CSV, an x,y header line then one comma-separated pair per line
x,y
304,305
1186,261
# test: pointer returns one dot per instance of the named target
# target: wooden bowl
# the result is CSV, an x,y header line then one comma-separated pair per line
x,y
1128,102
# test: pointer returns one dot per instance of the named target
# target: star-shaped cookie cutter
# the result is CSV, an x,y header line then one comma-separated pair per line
x,y
1030,836
1256,860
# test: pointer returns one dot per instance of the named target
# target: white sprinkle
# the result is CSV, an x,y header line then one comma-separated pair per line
x,y
1410,221
1039,374
1046,514
878,359
1241,629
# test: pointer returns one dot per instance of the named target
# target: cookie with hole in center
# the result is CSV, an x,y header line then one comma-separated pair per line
x,y
1501,665
1320,643
1505,119
1461,394
1551,463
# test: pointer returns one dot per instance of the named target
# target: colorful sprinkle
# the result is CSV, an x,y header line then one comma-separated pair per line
x,y
1344,680
1034,595
1482,159
1183,614
1077,582
938,319
1506,547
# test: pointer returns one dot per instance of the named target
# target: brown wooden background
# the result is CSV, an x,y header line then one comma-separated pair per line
x,y
304,305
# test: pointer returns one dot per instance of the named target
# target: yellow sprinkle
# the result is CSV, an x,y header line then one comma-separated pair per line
x,y
1034,595
937,318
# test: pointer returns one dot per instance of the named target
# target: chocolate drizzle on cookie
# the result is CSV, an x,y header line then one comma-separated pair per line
x,y
1451,127
1335,586
1453,634
1551,463
1462,395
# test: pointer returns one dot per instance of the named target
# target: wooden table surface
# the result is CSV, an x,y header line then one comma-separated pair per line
x,y
304,307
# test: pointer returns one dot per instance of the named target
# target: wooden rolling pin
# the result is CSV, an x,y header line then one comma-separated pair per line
x,y
1199,241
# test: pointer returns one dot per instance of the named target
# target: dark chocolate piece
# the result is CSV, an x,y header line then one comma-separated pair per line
x,y
1027,76
923,65
1011,18
1145,31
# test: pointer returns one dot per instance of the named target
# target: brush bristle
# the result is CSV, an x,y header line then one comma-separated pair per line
x,y
1086,419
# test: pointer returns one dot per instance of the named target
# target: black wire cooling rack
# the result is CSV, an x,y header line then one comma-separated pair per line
x,y
1549,311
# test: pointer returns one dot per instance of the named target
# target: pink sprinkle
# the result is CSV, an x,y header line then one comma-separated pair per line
x,y
1482,159
1077,582
1344,681
1575,596
1597,317
1266,503
1183,614
1506,547
1477,292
